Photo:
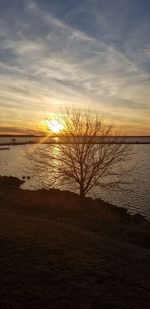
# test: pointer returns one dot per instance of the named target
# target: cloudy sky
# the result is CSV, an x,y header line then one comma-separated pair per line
x,y
89,53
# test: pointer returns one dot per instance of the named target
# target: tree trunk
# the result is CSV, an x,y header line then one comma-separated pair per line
x,y
82,194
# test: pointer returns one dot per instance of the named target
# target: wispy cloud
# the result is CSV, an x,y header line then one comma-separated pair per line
x,y
46,61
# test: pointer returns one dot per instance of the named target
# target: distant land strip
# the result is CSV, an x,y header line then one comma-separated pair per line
x,y
67,143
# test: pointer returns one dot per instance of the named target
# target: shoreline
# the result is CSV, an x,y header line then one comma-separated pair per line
x,y
57,143
124,208
10,190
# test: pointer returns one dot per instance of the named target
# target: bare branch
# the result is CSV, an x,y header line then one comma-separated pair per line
x,y
88,154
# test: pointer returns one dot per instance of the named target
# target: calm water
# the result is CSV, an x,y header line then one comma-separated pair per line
x,y
137,200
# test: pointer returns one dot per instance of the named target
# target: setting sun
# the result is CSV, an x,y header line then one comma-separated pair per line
x,y
55,126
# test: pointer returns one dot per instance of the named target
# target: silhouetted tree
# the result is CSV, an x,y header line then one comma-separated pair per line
x,y
87,154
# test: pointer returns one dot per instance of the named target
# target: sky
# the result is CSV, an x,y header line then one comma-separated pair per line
x,y
83,53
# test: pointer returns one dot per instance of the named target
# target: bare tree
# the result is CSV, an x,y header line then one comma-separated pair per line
x,y
87,154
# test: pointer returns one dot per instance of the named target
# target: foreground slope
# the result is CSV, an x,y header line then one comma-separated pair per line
x,y
56,253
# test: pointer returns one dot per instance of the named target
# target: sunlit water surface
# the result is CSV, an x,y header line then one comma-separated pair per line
x,y
137,200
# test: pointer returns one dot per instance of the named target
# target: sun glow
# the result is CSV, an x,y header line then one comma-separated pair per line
x,y
55,126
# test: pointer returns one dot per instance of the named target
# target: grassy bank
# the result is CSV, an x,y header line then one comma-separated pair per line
x,y
57,253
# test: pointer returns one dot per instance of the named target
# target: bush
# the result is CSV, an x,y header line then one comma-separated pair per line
x,y
9,182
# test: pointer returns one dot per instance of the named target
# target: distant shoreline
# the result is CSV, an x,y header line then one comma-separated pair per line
x,y
57,143
33,135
